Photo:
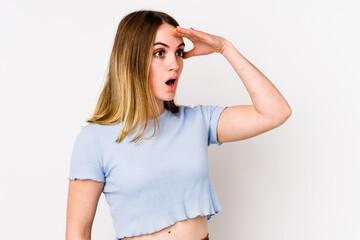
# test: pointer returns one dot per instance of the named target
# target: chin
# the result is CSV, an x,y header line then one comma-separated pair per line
x,y
169,97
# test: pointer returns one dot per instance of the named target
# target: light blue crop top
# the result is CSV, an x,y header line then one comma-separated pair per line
x,y
154,184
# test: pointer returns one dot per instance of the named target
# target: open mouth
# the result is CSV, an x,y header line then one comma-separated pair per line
x,y
170,82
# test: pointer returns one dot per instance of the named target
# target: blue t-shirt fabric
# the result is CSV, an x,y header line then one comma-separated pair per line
x,y
154,184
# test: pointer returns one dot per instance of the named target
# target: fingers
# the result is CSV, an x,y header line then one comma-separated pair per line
x,y
188,31
192,34
183,32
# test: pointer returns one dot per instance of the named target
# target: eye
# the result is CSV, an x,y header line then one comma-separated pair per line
x,y
181,53
161,53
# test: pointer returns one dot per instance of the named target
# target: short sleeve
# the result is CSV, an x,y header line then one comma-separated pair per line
x,y
86,159
212,114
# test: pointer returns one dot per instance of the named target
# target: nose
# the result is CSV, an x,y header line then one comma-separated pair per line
x,y
173,63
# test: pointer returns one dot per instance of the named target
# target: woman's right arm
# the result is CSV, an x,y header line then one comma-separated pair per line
x,y
83,198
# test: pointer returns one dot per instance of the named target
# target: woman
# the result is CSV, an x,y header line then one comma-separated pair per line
x,y
160,189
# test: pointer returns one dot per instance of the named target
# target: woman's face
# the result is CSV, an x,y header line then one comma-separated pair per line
x,y
166,63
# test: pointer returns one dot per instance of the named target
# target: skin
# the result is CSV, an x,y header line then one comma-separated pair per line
x,y
189,229
168,61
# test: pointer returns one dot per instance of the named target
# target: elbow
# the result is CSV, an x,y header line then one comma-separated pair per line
x,y
284,116
281,117
287,113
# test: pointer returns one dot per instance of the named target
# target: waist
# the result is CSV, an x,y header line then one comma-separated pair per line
x,y
190,229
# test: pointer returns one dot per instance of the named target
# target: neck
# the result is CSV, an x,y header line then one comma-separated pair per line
x,y
161,109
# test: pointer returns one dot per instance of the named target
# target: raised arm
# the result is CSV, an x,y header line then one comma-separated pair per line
x,y
83,198
269,109
239,122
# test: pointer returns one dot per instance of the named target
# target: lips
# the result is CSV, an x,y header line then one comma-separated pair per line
x,y
171,81
171,78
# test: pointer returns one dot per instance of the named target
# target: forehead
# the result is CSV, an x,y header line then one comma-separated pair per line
x,y
163,34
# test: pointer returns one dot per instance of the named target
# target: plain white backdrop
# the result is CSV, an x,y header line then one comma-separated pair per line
x,y
298,181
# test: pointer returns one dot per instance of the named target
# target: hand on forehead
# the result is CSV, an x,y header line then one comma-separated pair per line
x,y
165,34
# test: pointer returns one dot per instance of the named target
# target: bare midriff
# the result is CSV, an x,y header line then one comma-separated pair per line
x,y
189,229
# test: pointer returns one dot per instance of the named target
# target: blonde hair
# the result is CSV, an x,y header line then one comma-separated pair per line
x,y
127,95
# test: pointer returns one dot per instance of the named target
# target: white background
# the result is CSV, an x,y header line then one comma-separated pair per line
x,y
298,181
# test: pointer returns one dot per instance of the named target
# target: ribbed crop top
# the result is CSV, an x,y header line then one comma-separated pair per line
x,y
154,184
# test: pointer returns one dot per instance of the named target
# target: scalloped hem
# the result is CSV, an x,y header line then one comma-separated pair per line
x,y
209,215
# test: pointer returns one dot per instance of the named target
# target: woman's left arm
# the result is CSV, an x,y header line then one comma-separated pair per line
x,y
269,109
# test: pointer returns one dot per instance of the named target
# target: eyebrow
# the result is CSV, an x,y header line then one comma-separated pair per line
x,y
182,44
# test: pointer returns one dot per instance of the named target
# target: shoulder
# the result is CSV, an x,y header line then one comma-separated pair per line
x,y
188,111
207,111
99,129
193,109
99,134
209,114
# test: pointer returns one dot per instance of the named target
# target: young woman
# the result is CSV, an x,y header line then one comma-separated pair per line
x,y
160,188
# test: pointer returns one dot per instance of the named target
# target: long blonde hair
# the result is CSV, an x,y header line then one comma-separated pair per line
x,y
127,95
